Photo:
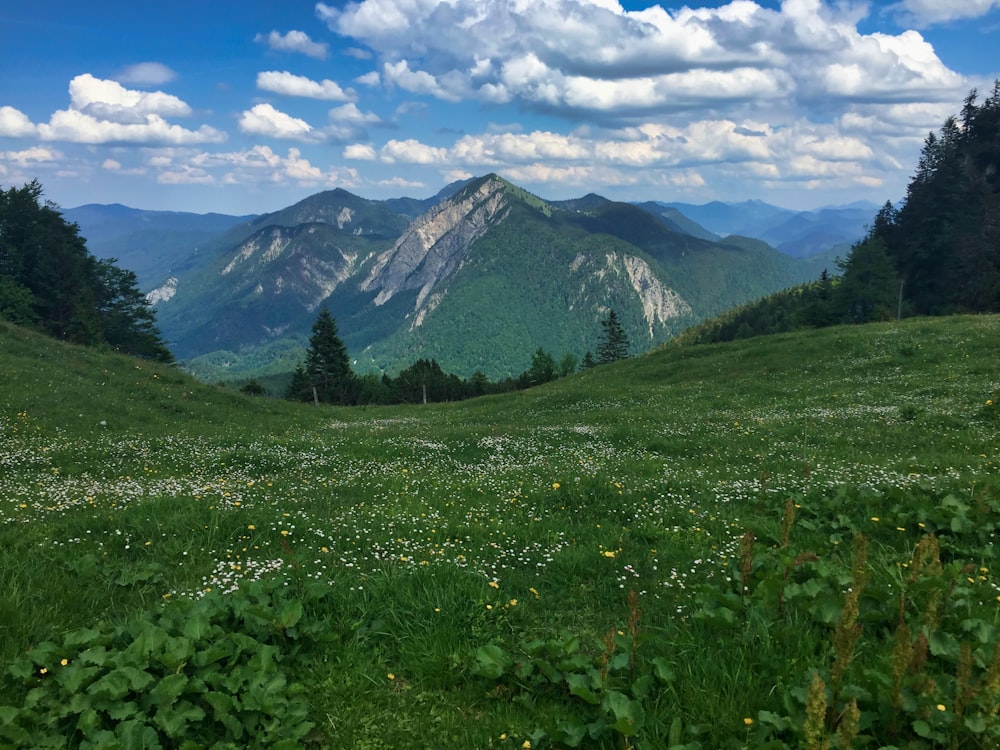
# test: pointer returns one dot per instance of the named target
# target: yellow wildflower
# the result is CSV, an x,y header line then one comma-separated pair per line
x,y
747,720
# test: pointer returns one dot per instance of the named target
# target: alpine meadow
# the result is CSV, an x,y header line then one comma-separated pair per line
x,y
773,526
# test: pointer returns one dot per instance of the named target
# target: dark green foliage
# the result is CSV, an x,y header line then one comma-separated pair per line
x,y
614,340
542,370
253,387
212,672
49,281
945,238
870,285
327,366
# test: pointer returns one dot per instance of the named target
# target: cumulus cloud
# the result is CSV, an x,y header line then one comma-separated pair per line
x,y
146,73
288,84
295,41
33,155
103,111
15,124
261,165
360,151
411,151
349,113
265,120
585,57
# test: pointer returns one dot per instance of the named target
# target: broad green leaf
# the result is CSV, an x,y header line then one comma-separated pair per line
x,y
291,613
491,661
580,686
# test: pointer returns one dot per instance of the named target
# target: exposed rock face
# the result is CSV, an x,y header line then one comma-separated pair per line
x,y
289,257
434,245
659,304
164,292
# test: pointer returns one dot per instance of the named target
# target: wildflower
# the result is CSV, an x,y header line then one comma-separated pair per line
x,y
555,485
503,736
534,591
747,720
251,527
526,745
609,553
43,670
494,585
64,662
391,676
875,519
513,602
284,532
941,707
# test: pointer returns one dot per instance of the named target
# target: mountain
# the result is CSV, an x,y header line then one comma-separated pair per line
x,y
801,234
151,244
478,281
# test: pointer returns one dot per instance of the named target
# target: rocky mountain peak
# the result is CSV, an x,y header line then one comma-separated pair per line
x,y
435,244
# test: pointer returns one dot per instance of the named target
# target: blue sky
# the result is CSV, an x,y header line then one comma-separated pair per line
x,y
246,107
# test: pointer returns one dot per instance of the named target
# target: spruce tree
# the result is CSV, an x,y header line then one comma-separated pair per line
x,y
328,366
614,341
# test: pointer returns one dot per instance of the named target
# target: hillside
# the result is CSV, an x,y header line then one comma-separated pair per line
x,y
660,552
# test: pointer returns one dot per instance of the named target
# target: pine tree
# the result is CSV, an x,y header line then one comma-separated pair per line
x,y
328,366
614,341
50,281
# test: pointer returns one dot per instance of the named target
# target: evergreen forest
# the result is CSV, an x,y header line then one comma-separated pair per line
x,y
50,282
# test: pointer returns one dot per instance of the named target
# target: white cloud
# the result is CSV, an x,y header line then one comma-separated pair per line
x,y
416,81
288,84
146,73
258,165
360,151
32,156
575,57
15,124
78,127
923,13
265,120
295,41
112,101
412,151
349,113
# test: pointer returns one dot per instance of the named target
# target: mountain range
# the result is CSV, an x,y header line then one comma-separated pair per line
x,y
477,277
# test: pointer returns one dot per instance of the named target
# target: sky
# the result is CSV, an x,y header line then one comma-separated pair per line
x,y
247,107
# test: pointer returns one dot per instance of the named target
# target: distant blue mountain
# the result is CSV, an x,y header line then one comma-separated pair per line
x,y
151,244
801,234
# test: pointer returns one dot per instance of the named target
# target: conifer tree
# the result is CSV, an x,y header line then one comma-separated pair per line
x,y
328,366
49,281
614,341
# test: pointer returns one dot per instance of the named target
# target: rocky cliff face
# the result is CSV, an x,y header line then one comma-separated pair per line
x,y
659,304
304,262
435,245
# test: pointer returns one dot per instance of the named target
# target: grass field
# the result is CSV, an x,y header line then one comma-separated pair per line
x,y
780,542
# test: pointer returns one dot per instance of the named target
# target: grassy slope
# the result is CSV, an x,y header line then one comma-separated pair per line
x,y
439,530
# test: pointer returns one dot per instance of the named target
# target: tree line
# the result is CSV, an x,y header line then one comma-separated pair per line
x,y
325,376
50,282
937,253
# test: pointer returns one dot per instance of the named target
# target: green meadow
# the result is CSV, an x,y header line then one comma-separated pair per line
x,y
781,542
